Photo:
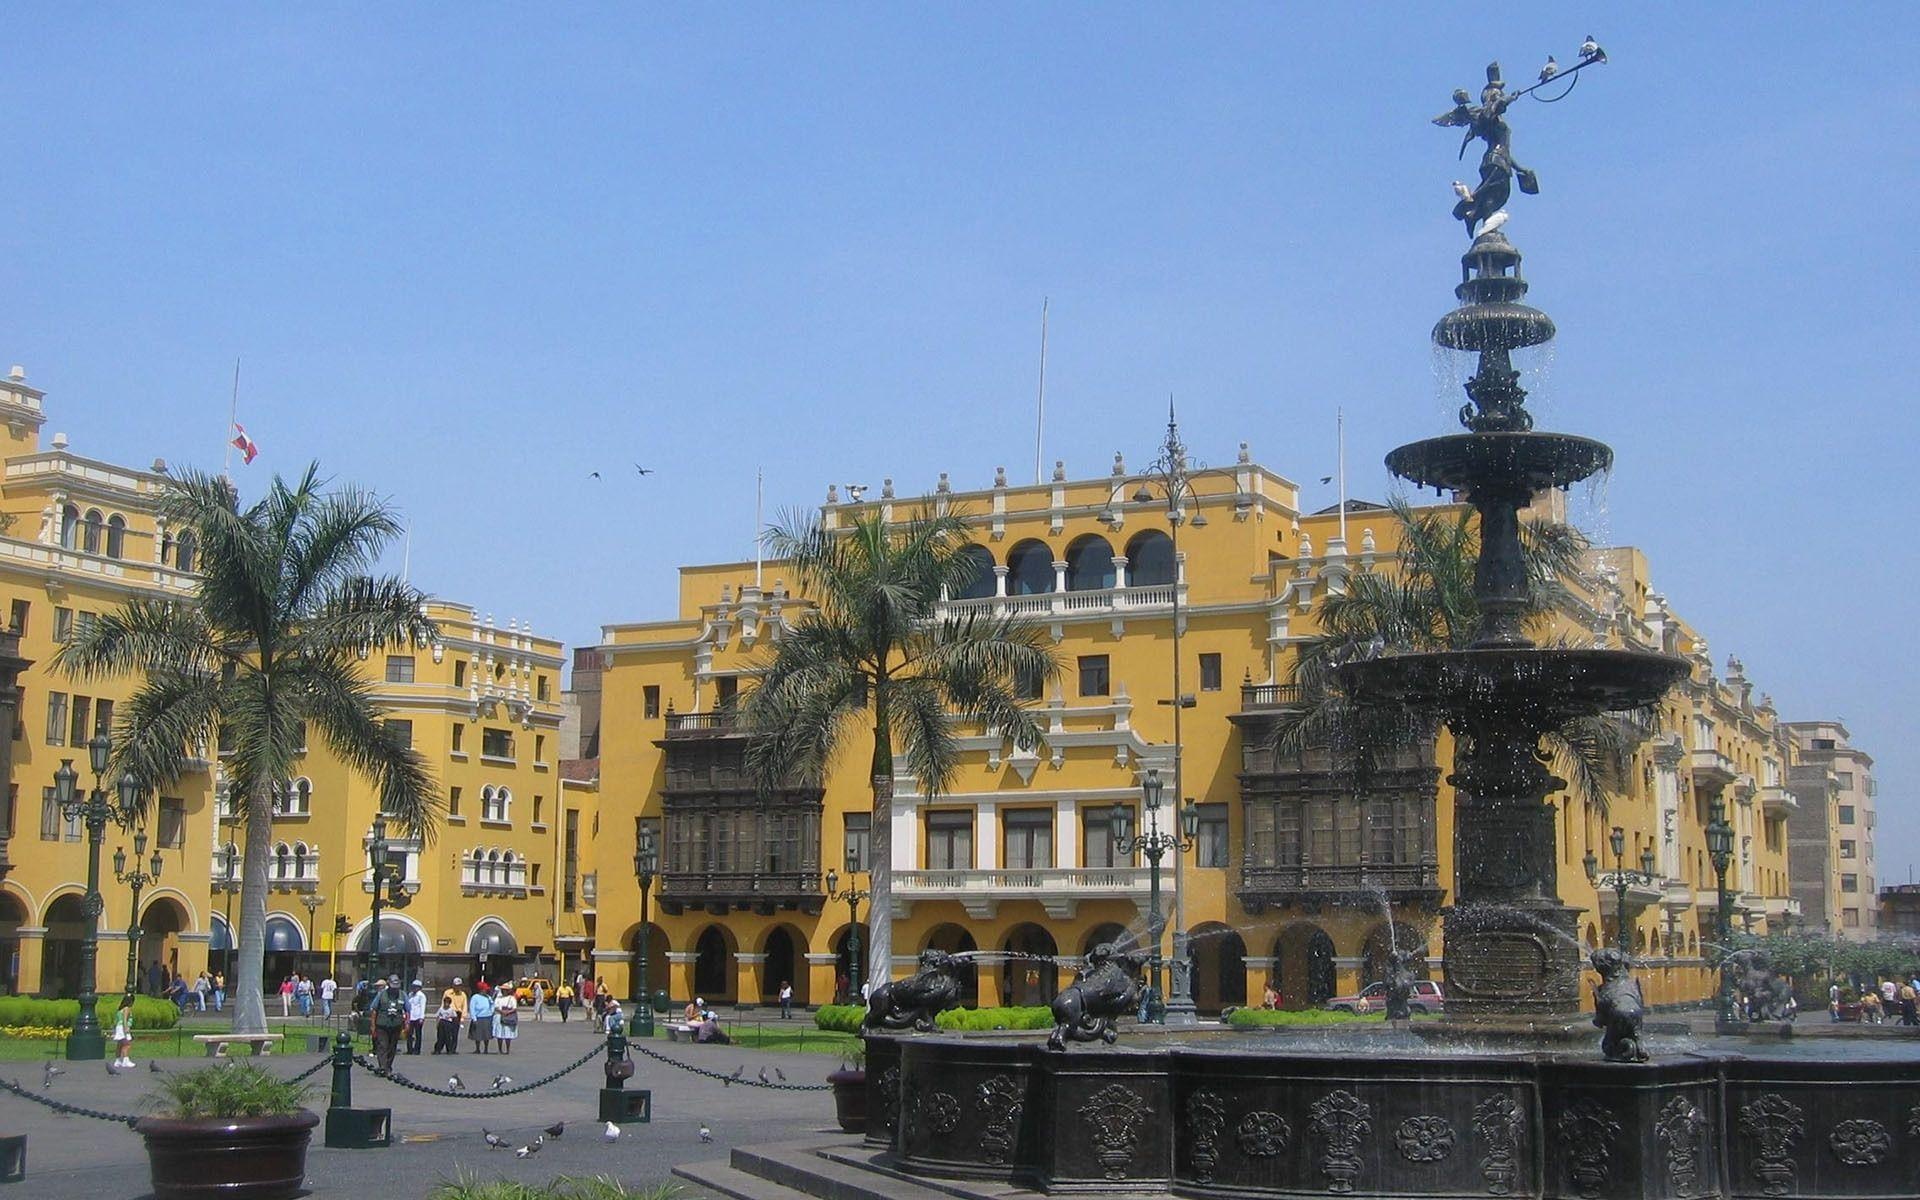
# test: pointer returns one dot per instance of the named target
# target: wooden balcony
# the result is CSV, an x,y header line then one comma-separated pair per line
x,y
720,892
1257,696
721,722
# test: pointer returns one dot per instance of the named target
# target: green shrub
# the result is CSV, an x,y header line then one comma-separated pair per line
x,y
149,1012
974,1019
1260,1018
233,1090
839,1018
468,1185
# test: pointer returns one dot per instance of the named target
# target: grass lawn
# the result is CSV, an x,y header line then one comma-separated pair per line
x,y
172,1043
798,1035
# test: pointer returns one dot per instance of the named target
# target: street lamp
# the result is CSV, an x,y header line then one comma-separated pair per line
x,y
1624,879
137,879
231,861
313,902
1153,845
1720,851
646,863
853,895
387,889
1169,480
86,1040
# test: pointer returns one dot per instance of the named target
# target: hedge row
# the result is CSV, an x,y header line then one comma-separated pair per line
x,y
149,1012
845,1018
1259,1018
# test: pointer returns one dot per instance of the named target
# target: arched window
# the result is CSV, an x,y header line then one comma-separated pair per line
x,y
95,523
69,527
299,860
184,550
282,860
303,796
493,867
979,585
1030,569
1089,564
1149,559
509,869
283,934
116,536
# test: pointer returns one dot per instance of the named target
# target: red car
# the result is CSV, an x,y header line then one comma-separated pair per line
x,y
1426,998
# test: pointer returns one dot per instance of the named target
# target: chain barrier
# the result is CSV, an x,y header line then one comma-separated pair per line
x,y
76,1110
367,1064
729,1080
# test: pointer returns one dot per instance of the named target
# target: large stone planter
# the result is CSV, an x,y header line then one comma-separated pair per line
x,y
228,1158
850,1098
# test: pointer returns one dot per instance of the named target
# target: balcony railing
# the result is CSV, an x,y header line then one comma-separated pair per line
x,y
1352,883
1058,889
696,887
720,721
1777,801
1093,601
1269,695
1711,769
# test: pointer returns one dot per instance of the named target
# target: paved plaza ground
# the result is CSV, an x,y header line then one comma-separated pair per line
x,y
74,1157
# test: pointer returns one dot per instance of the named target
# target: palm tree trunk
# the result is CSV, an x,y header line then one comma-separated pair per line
x,y
880,852
249,990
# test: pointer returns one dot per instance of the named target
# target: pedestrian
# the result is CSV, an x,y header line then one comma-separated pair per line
x,y
201,987
416,1016
613,1018
389,1021
455,997
446,1028
786,1000
154,982
219,991
506,1019
123,1031
480,1018
178,992
584,989
303,993
563,997
539,1000
695,1009
1269,999
286,996
1909,1005
328,989
840,987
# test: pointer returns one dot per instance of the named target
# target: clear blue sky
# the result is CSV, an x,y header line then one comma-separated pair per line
x,y
470,255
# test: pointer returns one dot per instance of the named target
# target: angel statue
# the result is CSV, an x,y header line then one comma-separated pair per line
x,y
1498,171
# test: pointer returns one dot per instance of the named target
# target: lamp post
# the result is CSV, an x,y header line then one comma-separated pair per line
x,y
1624,879
136,879
646,863
387,889
1173,478
231,862
853,895
86,1040
1153,845
1720,851
313,902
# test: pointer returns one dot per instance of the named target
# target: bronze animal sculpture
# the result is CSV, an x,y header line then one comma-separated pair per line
x,y
915,1002
1753,977
1618,1007
1109,988
1400,981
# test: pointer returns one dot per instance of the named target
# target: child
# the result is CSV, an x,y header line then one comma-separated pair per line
x,y
123,1032
446,1028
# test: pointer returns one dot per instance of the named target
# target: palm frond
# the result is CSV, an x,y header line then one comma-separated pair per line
x,y
339,702
166,723
361,613
143,634
926,739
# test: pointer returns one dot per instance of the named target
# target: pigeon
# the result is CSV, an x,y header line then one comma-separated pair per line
x,y
738,1072
1462,190
643,470
593,474
1590,51
500,1081
46,1080
611,1133
530,1149
453,1082
779,1074
1550,70
1326,479
1493,222
706,1135
154,1067
494,1141
855,491
763,1076
556,1129
111,1069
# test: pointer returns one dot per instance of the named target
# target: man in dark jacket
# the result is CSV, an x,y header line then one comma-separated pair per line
x,y
389,1021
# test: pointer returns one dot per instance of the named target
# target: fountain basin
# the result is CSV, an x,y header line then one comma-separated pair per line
x,y
1552,684
1494,323
1263,1118
1510,462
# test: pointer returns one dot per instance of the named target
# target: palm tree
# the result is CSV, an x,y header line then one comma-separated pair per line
x,y
285,610
873,653
1427,604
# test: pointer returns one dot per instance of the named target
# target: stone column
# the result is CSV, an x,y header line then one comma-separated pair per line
x,y
747,972
32,947
820,980
680,975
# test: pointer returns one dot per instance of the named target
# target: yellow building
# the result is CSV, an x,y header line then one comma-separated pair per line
x,y
1293,873
79,536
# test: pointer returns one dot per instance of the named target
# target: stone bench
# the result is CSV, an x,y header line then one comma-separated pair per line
x,y
256,1043
681,1032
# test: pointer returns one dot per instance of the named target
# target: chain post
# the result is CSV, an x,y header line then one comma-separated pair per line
x,y
616,1052
342,1071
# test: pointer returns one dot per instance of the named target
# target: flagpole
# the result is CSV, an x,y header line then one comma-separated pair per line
x,y
1040,417
406,557
233,415
759,499
1340,422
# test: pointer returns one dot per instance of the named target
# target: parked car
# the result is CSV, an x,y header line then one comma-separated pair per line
x,y
1426,998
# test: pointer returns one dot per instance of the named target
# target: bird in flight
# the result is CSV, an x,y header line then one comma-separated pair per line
x,y
855,491
643,470
593,474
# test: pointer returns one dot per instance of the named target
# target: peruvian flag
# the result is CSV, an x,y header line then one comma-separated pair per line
x,y
247,447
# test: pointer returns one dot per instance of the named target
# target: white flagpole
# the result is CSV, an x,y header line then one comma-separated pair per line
x,y
406,557
1040,417
759,500
1340,420
233,415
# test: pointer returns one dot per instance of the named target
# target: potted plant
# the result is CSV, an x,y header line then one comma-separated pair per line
x,y
849,1085
231,1131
